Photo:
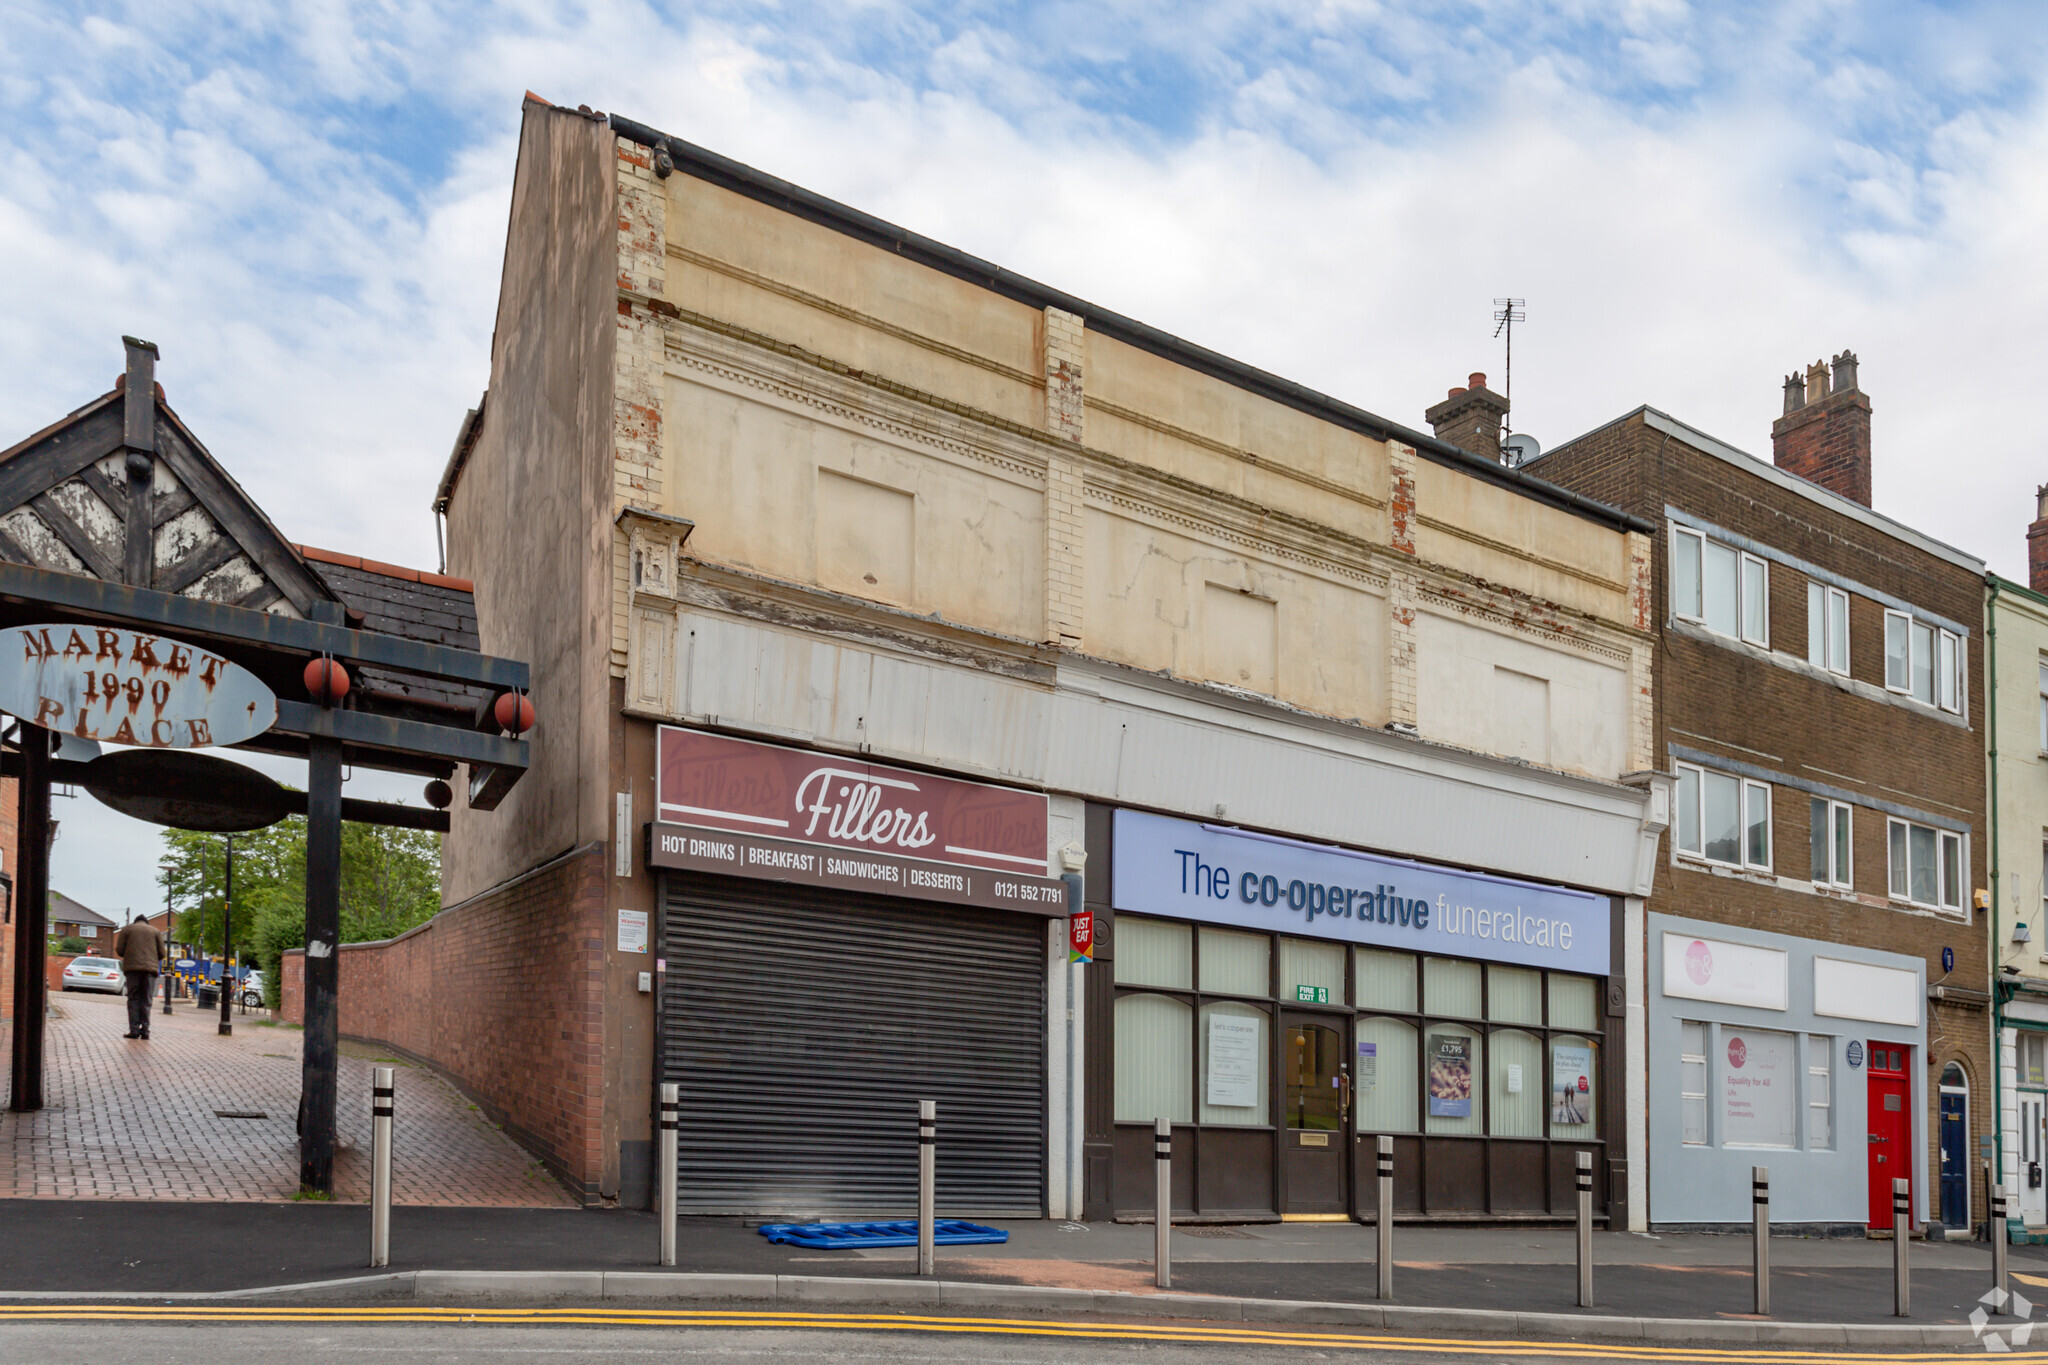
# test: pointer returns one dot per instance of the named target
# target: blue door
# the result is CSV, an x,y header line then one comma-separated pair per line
x,y
1955,1159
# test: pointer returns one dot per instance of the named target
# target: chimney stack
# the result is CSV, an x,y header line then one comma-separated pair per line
x,y
2037,543
1470,418
1825,432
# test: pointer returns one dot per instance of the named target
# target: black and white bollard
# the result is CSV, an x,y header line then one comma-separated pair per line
x,y
1162,1217
1902,1234
667,1159
927,1181
382,1093
1383,1214
1996,1230
1760,1213
1585,1229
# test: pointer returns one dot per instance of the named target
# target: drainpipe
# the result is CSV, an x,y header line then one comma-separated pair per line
x,y
1991,915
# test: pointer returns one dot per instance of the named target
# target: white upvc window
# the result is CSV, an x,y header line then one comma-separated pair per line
x,y
1723,819
2043,666
1924,661
1720,587
1827,627
1926,865
1833,841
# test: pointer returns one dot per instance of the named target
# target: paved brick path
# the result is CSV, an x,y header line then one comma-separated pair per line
x,y
135,1120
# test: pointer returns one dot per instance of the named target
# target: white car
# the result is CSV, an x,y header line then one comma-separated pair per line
x,y
252,990
94,974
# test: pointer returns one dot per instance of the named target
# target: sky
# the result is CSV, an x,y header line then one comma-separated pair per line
x,y
304,205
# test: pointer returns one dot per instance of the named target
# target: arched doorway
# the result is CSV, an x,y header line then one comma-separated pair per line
x,y
1955,1146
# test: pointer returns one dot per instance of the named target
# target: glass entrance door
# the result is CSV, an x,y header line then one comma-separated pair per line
x,y
1315,1117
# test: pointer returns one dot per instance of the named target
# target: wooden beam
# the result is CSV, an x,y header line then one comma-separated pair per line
x,y
44,464
246,526
197,565
74,537
138,409
172,504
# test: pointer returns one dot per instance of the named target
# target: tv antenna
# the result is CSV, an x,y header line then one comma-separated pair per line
x,y
1506,313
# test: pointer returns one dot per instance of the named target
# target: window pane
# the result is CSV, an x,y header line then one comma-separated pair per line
x,y
1923,662
1721,817
1920,844
1235,964
1945,671
1717,588
1685,575
1514,995
1951,870
1822,841
1154,1071
1312,964
1312,1064
1571,1001
1898,858
2033,1060
1755,625
1845,868
1574,1086
1820,1126
1235,1063
1758,1105
1688,835
1897,652
1454,1056
1450,987
1150,953
1386,981
1515,1084
2044,707
1816,624
1387,1077
1838,630
1757,820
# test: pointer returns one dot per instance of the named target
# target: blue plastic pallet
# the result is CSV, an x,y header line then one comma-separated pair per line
x,y
946,1232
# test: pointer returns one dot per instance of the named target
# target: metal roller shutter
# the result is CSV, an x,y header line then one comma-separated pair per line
x,y
802,1026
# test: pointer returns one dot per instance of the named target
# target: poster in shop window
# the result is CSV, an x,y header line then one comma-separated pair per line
x,y
1450,1076
1571,1084
1757,1099
1233,1079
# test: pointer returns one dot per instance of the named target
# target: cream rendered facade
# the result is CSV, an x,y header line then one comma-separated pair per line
x,y
942,517
2016,633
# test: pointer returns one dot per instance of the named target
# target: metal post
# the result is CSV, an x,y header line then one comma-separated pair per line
x,y
1999,1239
1383,1217
31,918
927,1183
1585,1229
227,941
169,923
667,1210
1162,1216
1760,1209
169,982
381,1098
1902,1233
320,1050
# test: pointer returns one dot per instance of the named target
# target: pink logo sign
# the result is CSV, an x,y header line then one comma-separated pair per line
x,y
1699,963
1737,1053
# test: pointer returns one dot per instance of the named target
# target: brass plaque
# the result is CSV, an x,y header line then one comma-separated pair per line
x,y
1315,1139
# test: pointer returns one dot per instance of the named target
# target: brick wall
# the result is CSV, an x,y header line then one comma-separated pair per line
x,y
504,995
1829,443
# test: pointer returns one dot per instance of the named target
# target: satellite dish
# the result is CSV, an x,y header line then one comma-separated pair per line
x,y
1521,449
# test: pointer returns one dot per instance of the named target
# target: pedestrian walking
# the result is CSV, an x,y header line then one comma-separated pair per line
x,y
140,946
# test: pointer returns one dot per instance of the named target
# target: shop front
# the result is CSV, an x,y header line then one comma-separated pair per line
x,y
838,940
1283,1003
1802,1056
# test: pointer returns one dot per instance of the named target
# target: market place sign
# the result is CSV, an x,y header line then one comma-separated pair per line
x,y
130,687
744,809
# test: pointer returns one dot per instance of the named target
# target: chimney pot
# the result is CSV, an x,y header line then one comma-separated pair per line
x,y
1476,380
1470,418
1795,393
1455,391
1845,372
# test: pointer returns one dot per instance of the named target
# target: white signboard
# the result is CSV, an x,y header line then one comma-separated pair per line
x,y
632,931
129,687
1727,973
1233,1079
1859,990
1758,1098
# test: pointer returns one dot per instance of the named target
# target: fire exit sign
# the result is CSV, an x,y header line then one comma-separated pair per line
x,y
1312,995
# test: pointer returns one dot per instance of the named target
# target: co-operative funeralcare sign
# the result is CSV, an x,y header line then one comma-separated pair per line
x,y
1254,881
743,809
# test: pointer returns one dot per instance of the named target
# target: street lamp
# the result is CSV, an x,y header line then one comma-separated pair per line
x,y
227,940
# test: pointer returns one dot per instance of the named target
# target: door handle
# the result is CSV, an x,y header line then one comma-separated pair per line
x,y
1344,1100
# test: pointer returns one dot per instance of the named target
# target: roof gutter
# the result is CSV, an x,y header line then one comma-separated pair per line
x,y
793,199
458,456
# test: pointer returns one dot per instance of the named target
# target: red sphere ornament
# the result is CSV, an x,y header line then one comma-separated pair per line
x,y
326,681
439,795
514,713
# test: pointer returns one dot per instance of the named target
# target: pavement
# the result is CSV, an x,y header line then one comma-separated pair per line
x,y
129,1119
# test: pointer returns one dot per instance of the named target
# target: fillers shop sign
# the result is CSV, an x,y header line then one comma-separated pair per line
x,y
746,809
1186,870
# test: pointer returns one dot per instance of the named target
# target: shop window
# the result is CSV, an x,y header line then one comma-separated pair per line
x,y
1574,1086
1831,842
1514,995
1573,1001
2033,1059
1827,627
1386,981
1307,968
1236,1078
1820,1099
1926,865
1386,1076
1758,1096
1235,964
1692,1082
1152,953
1719,587
1515,1090
1450,987
1154,1057
1454,1058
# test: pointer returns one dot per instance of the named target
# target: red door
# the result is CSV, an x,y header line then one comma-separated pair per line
x,y
1891,1127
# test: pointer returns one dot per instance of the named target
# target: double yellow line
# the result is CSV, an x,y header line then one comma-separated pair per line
x,y
873,1322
